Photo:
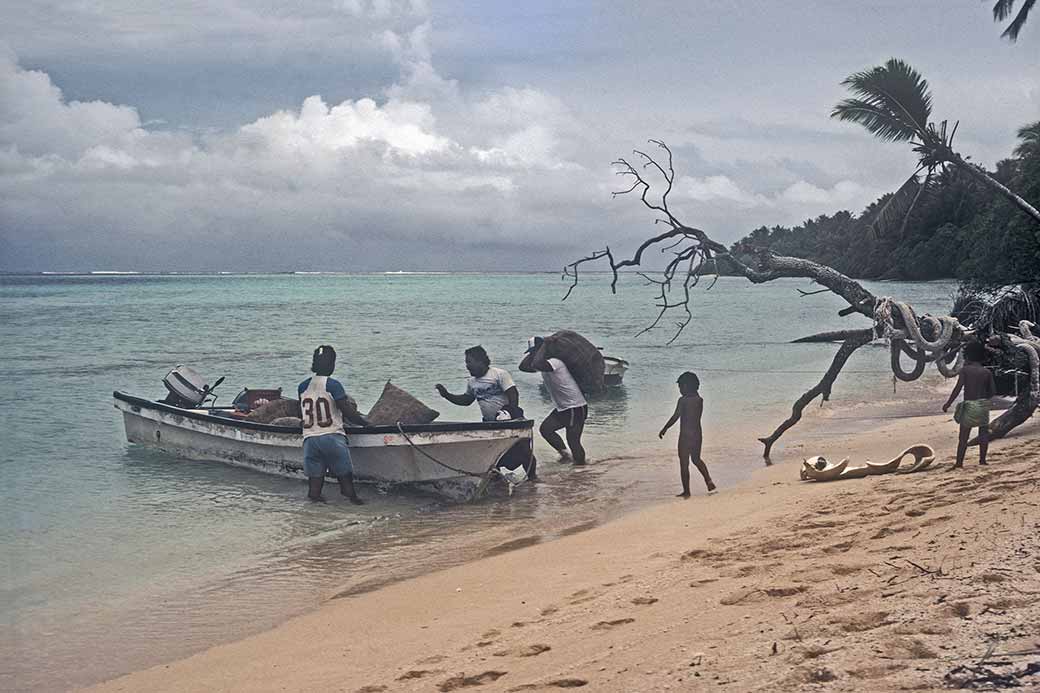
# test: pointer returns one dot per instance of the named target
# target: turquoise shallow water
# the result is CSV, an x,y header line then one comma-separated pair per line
x,y
117,558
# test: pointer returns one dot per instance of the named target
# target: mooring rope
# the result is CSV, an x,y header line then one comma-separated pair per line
x,y
444,464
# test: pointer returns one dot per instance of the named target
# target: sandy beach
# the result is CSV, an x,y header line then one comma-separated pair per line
x,y
896,582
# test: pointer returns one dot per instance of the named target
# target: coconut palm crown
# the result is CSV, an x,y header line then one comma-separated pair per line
x,y
892,101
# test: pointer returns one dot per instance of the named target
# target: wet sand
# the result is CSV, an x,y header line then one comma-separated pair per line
x,y
895,582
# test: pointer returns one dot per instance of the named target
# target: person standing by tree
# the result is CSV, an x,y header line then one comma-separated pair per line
x,y
323,407
979,388
570,408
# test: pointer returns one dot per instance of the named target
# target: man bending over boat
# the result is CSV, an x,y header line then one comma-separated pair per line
x,y
323,407
493,389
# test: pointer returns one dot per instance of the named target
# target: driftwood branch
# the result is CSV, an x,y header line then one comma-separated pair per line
x,y
833,336
855,340
693,251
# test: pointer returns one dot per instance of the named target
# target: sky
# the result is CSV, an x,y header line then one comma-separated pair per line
x,y
369,135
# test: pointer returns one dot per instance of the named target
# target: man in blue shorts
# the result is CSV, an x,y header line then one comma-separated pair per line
x,y
323,407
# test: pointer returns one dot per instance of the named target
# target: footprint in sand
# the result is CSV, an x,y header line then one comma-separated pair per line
x,y
879,671
644,601
581,596
373,688
841,547
525,651
419,674
432,659
557,683
607,625
863,622
463,681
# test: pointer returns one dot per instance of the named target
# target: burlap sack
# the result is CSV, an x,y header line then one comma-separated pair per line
x,y
291,421
583,359
266,413
397,406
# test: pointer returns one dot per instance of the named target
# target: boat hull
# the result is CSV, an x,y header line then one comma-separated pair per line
x,y
449,458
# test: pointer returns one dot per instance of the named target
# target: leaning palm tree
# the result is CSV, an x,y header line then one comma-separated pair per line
x,y
892,101
1002,9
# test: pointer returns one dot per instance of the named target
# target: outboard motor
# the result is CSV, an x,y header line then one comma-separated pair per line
x,y
187,388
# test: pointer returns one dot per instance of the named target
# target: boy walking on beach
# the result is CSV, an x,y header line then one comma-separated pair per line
x,y
979,388
324,405
688,412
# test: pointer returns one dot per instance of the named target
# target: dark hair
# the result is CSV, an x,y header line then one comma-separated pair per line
x,y
478,353
689,378
323,362
974,351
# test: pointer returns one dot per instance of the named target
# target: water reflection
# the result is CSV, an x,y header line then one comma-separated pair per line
x,y
608,410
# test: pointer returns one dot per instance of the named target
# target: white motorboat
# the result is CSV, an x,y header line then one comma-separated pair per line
x,y
614,371
451,459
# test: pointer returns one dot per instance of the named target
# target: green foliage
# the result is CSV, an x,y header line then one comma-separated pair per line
x,y
961,229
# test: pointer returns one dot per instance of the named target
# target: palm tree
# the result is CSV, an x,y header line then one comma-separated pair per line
x,y
1002,9
1030,144
892,101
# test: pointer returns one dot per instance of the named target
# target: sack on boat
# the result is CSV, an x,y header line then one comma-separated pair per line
x,y
276,409
583,359
397,406
291,421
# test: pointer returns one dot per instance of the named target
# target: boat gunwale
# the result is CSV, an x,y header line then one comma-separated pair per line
x,y
445,427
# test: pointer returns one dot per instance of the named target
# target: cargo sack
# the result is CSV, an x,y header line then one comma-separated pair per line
x,y
290,421
397,406
275,409
583,359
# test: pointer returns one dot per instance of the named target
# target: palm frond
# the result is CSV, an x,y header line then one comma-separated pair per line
x,y
876,119
893,101
898,206
1011,33
1030,136
1002,9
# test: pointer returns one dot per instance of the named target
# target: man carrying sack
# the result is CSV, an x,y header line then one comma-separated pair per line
x,y
570,407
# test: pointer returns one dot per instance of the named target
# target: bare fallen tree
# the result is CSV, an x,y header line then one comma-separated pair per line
x,y
924,339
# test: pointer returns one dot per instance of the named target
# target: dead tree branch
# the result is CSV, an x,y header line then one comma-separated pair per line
x,y
693,250
855,340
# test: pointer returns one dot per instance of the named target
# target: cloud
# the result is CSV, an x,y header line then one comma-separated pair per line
x,y
35,117
85,178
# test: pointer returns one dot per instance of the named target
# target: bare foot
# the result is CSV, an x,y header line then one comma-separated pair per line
x,y
564,456
357,501
711,487
984,464
319,499
684,494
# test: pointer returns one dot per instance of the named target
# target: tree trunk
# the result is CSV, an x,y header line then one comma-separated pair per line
x,y
981,175
1019,412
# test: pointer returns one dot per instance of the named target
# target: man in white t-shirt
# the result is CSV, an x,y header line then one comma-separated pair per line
x,y
493,389
570,408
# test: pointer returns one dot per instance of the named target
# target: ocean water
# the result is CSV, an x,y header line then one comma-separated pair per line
x,y
116,558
